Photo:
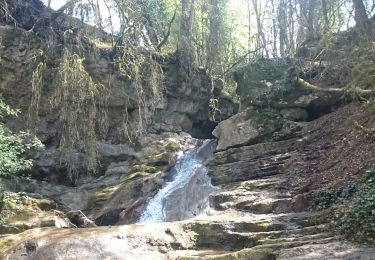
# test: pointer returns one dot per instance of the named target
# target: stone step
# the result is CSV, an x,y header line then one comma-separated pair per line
x,y
285,231
230,172
293,238
266,206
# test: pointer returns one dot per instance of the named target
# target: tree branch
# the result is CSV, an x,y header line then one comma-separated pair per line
x,y
62,9
308,85
166,36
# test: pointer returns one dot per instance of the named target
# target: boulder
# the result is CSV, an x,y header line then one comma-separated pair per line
x,y
252,126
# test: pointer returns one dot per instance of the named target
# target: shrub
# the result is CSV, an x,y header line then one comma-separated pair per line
x,y
13,146
326,199
357,221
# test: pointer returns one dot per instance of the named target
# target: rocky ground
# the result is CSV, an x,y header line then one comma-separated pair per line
x,y
263,210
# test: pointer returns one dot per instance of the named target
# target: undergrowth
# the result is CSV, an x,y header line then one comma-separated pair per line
x,y
353,208
14,146
357,221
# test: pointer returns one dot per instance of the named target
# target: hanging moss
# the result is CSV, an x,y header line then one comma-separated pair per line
x,y
145,77
36,91
78,100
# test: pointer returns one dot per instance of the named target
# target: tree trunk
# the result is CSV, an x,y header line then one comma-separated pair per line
x,y
310,20
249,41
283,26
325,16
360,14
186,30
213,59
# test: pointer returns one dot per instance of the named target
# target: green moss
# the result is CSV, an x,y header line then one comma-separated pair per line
x,y
145,168
5,243
21,216
8,229
48,223
132,177
172,146
250,227
160,159
45,204
252,81
103,195
207,234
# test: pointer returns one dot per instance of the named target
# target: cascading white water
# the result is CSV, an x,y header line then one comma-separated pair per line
x,y
186,195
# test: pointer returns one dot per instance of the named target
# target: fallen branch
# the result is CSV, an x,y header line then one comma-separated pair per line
x,y
308,85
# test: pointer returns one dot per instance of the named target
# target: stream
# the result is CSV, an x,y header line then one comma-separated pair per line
x,y
187,188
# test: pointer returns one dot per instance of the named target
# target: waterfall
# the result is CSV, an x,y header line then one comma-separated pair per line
x,y
187,189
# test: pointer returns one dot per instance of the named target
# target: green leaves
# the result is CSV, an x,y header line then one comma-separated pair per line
x,y
358,220
13,146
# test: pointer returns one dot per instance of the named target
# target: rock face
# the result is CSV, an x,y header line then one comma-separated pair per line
x,y
252,126
184,106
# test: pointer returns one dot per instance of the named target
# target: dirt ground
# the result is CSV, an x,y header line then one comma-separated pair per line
x,y
333,152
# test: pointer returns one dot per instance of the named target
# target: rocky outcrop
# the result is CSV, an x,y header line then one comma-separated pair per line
x,y
183,106
119,196
264,83
250,162
254,126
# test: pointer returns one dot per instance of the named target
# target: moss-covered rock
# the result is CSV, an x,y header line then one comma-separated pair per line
x,y
253,126
262,82
5,243
21,212
211,235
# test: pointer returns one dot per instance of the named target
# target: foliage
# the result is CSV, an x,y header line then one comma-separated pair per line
x,y
13,146
353,207
326,199
357,221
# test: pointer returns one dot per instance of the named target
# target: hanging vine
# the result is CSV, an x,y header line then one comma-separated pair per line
x,y
145,78
36,90
78,100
